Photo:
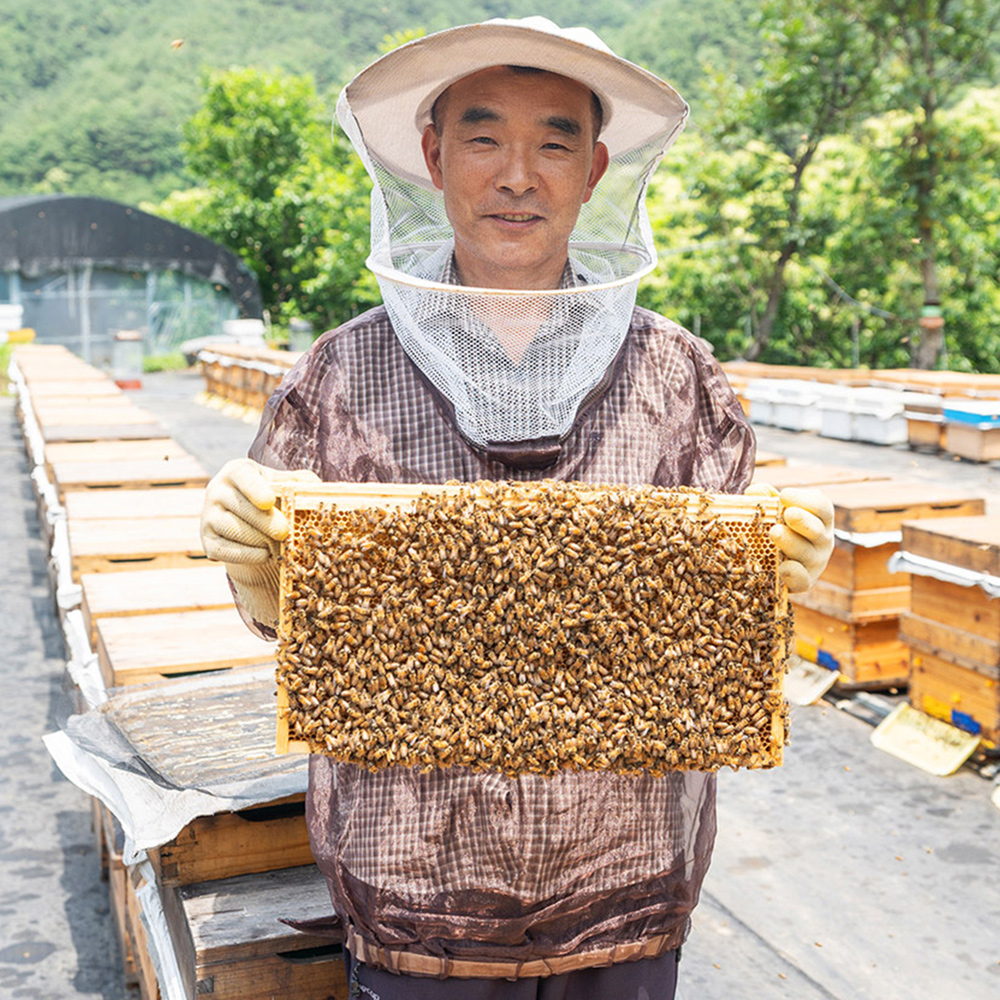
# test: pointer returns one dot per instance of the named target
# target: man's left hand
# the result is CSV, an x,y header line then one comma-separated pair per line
x,y
806,536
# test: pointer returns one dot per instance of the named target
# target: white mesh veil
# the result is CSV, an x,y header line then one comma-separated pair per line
x,y
560,344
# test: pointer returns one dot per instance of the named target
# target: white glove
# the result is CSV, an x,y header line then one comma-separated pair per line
x,y
241,527
806,537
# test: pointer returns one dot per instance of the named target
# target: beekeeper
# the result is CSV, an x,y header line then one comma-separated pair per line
x,y
509,163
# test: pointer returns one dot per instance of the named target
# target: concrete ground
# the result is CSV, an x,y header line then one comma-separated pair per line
x,y
843,875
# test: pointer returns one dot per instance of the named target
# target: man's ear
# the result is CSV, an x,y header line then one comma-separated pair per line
x,y
597,168
430,143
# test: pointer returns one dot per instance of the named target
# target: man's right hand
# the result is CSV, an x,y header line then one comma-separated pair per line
x,y
242,527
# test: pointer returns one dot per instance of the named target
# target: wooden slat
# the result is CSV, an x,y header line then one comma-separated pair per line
x,y
142,472
950,691
854,605
967,608
114,451
107,546
103,432
952,644
858,567
63,389
123,414
971,543
769,460
165,501
152,591
146,647
978,444
885,505
265,838
814,475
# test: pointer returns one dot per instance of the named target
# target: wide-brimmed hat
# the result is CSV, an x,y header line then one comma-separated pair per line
x,y
394,95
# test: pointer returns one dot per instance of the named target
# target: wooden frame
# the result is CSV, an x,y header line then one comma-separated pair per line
x,y
295,497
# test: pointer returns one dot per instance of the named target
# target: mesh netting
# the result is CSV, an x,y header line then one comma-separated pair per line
x,y
515,365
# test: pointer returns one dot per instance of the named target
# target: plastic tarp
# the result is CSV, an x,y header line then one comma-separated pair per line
x,y
907,562
159,755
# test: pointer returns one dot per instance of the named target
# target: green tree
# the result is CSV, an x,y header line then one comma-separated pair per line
x,y
277,191
818,77
941,46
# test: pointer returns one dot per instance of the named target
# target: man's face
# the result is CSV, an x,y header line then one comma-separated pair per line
x,y
515,158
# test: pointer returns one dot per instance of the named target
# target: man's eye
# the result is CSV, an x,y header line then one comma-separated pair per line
x,y
555,145
484,139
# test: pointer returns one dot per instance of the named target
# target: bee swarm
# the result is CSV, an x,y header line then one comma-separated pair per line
x,y
534,627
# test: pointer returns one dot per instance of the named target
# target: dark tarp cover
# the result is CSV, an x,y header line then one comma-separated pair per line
x,y
42,234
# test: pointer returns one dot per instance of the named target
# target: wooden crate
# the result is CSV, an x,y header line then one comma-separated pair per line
x,y
605,634
143,648
113,840
231,944
129,474
265,838
864,605
978,444
965,609
955,644
857,567
134,543
972,543
151,591
966,698
868,654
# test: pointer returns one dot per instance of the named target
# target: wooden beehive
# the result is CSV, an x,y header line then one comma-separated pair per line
x,y
531,627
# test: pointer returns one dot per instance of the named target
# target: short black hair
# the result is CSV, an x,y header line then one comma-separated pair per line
x,y
596,110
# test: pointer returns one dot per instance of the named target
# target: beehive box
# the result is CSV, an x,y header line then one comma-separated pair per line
x,y
851,615
231,943
953,630
531,627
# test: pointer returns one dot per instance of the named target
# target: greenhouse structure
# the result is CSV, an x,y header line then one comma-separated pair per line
x,y
85,269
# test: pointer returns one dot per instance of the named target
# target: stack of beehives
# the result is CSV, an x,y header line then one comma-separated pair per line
x,y
528,628
139,602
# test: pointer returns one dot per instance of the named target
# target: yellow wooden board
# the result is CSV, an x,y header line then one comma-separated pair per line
x,y
77,387
927,743
885,505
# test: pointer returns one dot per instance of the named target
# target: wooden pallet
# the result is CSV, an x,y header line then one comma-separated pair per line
x,y
231,944
98,546
298,498
268,837
165,501
143,648
129,474
867,654
152,591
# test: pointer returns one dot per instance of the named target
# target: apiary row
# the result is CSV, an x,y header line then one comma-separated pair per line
x,y
244,375
951,412
145,615
910,598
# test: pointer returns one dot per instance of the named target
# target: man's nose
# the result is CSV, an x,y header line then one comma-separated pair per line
x,y
517,174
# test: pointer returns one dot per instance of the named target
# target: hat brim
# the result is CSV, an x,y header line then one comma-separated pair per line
x,y
391,99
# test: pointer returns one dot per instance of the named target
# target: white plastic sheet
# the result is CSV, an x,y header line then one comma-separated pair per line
x,y
908,562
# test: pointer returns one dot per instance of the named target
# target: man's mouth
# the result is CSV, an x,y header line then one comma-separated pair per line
x,y
515,217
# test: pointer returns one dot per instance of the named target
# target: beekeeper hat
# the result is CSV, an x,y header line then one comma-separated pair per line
x,y
394,95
